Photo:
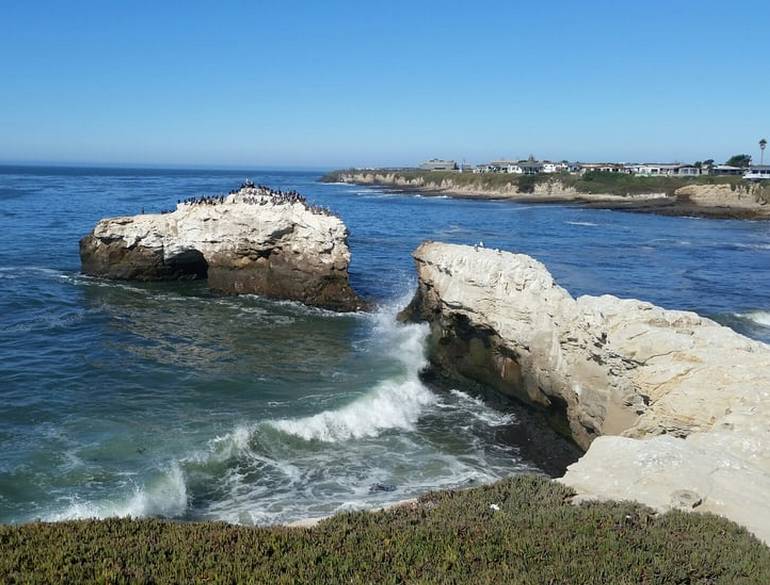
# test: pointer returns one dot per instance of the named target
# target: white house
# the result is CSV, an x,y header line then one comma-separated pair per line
x,y
726,170
757,173
602,167
504,166
558,167
664,170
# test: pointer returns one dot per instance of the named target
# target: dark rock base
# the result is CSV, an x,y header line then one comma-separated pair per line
x,y
470,355
116,261
271,275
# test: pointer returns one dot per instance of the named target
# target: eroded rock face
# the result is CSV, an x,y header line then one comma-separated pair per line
x,y
679,403
248,242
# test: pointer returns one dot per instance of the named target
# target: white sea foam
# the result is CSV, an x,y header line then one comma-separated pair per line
x,y
165,496
395,403
761,318
482,411
752,246
583,223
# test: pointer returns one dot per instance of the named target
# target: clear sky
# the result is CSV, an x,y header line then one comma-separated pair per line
x,y
381,83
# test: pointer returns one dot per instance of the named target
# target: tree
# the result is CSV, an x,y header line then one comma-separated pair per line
x,y
739,160
708,162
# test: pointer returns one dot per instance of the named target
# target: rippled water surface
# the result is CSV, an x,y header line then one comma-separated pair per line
x,y
161,399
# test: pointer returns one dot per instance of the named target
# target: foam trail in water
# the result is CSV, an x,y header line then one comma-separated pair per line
x,y
583,223
395,403
480,410
166,496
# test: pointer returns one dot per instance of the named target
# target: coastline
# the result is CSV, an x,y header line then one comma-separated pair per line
x,y
703,200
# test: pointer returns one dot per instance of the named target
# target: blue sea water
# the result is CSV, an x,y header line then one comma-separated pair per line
x,y
162,399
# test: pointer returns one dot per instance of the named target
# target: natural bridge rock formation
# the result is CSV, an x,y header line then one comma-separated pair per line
x,y
251,241
680,404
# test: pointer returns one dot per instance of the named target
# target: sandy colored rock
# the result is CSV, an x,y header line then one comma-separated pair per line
x,y
679,403
718,200
248,243
745,197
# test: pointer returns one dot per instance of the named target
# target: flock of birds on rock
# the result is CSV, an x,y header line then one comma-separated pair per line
x,y
264,196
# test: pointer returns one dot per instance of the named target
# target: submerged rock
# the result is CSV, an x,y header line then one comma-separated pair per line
x,y
679,403
250,241
381,487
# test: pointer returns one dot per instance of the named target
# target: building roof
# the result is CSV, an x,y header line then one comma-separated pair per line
x,y
663,165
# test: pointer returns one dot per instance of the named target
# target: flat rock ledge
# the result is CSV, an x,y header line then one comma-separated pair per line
x,y
250,241
672,408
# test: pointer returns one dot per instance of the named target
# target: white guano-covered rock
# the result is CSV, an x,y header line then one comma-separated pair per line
x,y
250,241
673,408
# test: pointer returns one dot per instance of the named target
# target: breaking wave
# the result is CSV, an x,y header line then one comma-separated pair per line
x,y
395,403
165,496
761,318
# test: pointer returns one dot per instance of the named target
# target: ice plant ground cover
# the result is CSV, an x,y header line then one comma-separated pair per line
x,y
520,530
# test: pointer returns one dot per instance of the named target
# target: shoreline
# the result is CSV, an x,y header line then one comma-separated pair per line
x,y
683,204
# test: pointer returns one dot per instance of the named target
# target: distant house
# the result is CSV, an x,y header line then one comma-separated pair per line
x,y
502,166
436,164
484,168
516,167
664,170
757,173
726,170
528,167
558,167
602,168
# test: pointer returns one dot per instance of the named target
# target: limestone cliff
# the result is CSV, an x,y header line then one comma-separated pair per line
x,y
700,199
251,241
679,403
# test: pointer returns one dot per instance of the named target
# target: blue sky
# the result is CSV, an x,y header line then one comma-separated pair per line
x,y
352,83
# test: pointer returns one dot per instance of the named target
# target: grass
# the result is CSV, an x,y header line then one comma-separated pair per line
x,y
591,182
536,536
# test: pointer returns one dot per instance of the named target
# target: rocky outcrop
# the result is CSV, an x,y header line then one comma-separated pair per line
x,y
673,408
552,189
718,200
251,241
731,196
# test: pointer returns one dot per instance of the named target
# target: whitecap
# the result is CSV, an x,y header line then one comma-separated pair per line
x,y
583,223
752,246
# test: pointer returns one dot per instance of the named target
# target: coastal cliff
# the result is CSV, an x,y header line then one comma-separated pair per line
x,y
718,197
250,241
672,408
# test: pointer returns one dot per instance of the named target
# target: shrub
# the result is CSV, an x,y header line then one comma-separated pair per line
x,y
520,530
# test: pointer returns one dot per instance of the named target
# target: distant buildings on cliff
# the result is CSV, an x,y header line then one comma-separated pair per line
x,y
531,166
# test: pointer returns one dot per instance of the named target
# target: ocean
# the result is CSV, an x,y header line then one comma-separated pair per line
x,y
162,399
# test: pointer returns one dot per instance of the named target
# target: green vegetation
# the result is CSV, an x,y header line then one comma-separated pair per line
x,y
623,184
591,182
739,160
522,530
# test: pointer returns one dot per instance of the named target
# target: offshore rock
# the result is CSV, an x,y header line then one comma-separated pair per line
x,y
251,241
673,408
